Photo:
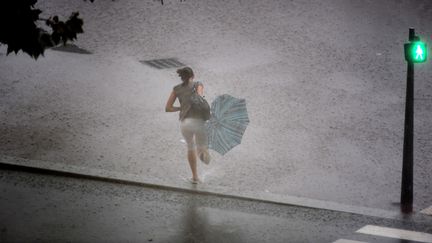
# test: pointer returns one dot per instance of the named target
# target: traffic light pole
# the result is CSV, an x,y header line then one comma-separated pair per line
x,y
407,164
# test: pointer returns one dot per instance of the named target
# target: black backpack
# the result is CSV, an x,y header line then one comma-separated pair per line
x,y
200,105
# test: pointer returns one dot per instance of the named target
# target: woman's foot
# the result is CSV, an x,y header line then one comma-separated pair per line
x,y
205,157
194,180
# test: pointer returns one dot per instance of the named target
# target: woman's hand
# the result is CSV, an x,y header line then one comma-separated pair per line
x,y
200,90
169,105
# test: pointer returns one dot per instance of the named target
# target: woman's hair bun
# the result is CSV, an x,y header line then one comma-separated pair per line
x,y
185,74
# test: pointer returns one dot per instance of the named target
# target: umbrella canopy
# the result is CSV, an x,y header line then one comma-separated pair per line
x,y
227,124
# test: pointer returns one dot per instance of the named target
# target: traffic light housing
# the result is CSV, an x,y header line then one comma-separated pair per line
x,y
416,52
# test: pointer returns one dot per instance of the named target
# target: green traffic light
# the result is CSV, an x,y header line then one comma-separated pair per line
x,y
419,52
416,52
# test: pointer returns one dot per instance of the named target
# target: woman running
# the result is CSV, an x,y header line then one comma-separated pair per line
x,y
192,124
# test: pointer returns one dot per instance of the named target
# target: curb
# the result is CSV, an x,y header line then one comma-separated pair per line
x,y
46,167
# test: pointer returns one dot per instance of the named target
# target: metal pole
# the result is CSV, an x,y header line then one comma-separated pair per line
x,y
407,164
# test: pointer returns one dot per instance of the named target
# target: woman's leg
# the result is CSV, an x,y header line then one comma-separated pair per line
x,y
193,164
202,142
187,130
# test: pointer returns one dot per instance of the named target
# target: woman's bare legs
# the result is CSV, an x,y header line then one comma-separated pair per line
x,y
193,129
193,164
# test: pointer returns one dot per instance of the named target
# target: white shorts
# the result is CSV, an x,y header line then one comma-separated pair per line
x,y
191,127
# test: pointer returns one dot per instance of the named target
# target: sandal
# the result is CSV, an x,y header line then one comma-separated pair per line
x,y
193,181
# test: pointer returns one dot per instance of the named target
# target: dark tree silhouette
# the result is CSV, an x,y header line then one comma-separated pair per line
x,y
19,28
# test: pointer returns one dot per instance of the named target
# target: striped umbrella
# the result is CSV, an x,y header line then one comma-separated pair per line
x,y
227,124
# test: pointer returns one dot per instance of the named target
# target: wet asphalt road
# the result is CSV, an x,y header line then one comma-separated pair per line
x,y
52,208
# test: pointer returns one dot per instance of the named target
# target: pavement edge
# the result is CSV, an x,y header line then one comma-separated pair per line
x,y
47,167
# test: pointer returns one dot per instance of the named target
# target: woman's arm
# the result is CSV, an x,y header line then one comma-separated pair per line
x,y
169,105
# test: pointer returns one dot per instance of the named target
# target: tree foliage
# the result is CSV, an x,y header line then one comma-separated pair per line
x,y
20,28
19,21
